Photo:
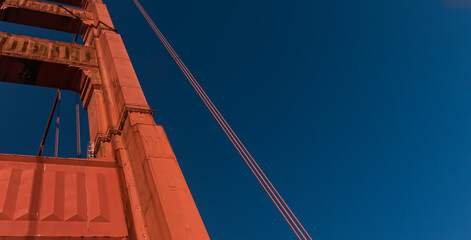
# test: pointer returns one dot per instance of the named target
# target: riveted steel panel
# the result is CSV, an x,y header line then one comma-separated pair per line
x,y
48,63
54,197
47,50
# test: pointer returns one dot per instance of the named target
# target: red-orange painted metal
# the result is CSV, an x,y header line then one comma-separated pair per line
x,y
134,188
54,197
46,15
77,3
47,63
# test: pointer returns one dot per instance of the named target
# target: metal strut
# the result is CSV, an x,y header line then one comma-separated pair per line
x,y
41,146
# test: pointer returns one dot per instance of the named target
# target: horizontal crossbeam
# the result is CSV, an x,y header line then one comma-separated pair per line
x,y
46,15
77,3
46,63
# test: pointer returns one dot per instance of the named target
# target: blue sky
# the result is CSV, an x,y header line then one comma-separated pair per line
x,y
358,111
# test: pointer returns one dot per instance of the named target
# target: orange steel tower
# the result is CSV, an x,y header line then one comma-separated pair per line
x,y
132,187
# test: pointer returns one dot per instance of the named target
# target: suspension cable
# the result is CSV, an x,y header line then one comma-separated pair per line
x,y
274,195
77,120
77,115
43,141
58,119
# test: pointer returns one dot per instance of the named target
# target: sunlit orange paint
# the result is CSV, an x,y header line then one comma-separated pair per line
x,y
133,188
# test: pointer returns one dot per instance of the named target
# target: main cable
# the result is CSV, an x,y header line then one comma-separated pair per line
x,y
250,161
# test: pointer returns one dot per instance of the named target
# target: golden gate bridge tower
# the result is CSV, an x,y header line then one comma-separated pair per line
x,y
131,186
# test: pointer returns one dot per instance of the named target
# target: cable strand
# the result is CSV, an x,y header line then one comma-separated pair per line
x,y
250,161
